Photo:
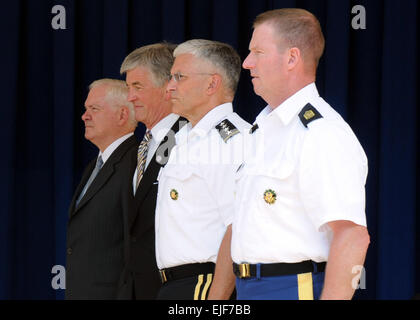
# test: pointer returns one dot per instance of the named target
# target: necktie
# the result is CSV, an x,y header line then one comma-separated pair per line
x,y
98,166
142,156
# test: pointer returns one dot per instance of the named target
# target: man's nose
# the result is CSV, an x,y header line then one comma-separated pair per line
x,y
248,62
131,95
171,86
85,115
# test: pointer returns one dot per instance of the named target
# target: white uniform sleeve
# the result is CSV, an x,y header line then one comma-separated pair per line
x,y
231,157
332,174
225,192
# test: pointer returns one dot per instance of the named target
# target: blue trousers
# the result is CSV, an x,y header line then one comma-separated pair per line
x,y
305,286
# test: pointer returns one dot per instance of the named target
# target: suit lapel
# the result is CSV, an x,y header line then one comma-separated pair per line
x,y
105,173
83,181
150,175
102,177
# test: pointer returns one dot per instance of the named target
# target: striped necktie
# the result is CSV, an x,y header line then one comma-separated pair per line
x,y
142,156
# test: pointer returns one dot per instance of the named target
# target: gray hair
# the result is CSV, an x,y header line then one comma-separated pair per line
x,y
221,55
116,94
157,58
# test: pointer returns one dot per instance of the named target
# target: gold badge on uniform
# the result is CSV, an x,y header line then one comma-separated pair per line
x,y
309,114
270,196
174,194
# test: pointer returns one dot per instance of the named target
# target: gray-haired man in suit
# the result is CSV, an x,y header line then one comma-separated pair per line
x,y
95,235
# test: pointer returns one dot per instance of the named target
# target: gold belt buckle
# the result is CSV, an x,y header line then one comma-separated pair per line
x,y
244,270
163,276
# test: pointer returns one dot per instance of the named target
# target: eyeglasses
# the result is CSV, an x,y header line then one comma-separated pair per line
x,y
179,76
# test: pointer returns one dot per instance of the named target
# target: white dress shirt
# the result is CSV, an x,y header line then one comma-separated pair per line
x,y
159,131
317,174
196,190
111,148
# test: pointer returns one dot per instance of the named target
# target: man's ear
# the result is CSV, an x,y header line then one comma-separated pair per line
x,y
123,115
294,58
214,84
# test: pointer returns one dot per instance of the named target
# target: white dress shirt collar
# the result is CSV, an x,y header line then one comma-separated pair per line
x,y
111,148
161,128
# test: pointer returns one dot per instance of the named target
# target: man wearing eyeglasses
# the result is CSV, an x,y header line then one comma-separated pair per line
x,y
196,188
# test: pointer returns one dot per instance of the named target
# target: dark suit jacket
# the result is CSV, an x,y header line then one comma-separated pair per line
x,y
140,279
95,230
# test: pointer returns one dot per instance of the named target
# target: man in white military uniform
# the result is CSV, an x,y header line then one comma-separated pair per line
x,y
301,200
196,188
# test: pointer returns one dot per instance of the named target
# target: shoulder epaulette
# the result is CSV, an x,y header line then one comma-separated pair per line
x,y
226,130
309,114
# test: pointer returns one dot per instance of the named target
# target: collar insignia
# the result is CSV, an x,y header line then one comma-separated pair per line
x,y
254,128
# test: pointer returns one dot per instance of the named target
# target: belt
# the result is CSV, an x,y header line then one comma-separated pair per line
x,y
185,271
245,270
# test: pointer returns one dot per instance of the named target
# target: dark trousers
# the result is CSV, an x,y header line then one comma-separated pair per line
x,y
191,288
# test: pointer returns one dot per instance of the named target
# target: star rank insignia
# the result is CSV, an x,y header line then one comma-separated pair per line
x,y
226,130
173,194
309,114
270,196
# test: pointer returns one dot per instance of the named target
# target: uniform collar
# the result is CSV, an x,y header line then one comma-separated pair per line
x,y
263,114
202,128
292,105
210,120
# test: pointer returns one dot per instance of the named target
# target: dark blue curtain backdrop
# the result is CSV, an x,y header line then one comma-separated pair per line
x,y
369,76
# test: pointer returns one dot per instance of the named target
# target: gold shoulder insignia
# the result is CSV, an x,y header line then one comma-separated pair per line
x,y
309,114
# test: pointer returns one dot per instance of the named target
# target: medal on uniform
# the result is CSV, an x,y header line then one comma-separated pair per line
x,y
173,194
270,196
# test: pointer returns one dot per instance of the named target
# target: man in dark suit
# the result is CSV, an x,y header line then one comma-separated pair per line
x,y
147,72
95,244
